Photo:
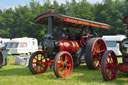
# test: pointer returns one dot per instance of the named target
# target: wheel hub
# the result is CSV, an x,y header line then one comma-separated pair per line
x,y
98,54
65,65
38,63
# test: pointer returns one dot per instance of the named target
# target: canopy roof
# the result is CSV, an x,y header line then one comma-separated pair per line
x,y
68,21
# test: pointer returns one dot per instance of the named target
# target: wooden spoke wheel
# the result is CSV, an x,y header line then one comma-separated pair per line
x,y
109,65
94,51
63,64
38,63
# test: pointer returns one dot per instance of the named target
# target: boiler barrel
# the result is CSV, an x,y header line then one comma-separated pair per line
x,y
70,46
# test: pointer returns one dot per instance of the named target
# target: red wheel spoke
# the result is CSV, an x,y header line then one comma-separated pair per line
x,y
58,65
112,70
69,65
35,58
40,68
99,45
100,51
61,60
110,60
66,59
36,68
45,63
109,70
60,69
94,53
66,70
94,49
42,59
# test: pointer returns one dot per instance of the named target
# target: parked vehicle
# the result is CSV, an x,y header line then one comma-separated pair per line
x,y
3,57
67,40
112,43
22,45
109,63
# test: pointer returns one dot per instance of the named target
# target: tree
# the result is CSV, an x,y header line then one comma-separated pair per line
x,y
18,22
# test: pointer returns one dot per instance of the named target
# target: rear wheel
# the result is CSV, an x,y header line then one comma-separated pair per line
x,y
109,65
38,63
95,49
63,64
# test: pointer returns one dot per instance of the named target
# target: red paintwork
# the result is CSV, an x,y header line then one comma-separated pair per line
x,y
48,63
86,23
98,50
123,67
39,64
111,66
68,45
64,65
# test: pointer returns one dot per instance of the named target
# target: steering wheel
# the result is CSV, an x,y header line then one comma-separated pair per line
x,y
86,34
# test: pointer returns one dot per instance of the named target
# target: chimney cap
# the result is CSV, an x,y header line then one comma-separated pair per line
x,y
51,9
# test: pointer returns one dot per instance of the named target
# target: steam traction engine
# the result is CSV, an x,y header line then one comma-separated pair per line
x,y
68,39
109,64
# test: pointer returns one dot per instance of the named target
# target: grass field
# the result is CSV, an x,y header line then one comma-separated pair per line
x,y
81,75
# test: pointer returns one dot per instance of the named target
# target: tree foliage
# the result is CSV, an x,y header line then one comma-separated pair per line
x,y
18,22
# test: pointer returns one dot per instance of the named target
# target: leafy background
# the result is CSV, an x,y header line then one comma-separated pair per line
x,y
18,22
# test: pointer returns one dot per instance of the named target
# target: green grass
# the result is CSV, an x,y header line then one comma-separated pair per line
x,y
81,75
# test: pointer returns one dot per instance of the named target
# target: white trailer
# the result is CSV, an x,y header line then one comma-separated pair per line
x,y
22,45
112,42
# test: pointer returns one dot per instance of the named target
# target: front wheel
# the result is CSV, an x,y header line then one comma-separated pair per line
x,y
63,64
38,63
109,66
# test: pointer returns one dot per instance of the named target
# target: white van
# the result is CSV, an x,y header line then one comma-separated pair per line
x,y
112,42
22,45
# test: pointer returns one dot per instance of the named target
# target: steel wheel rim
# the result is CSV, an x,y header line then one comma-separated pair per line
x,y
64,65
39,63
98,50
111,66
